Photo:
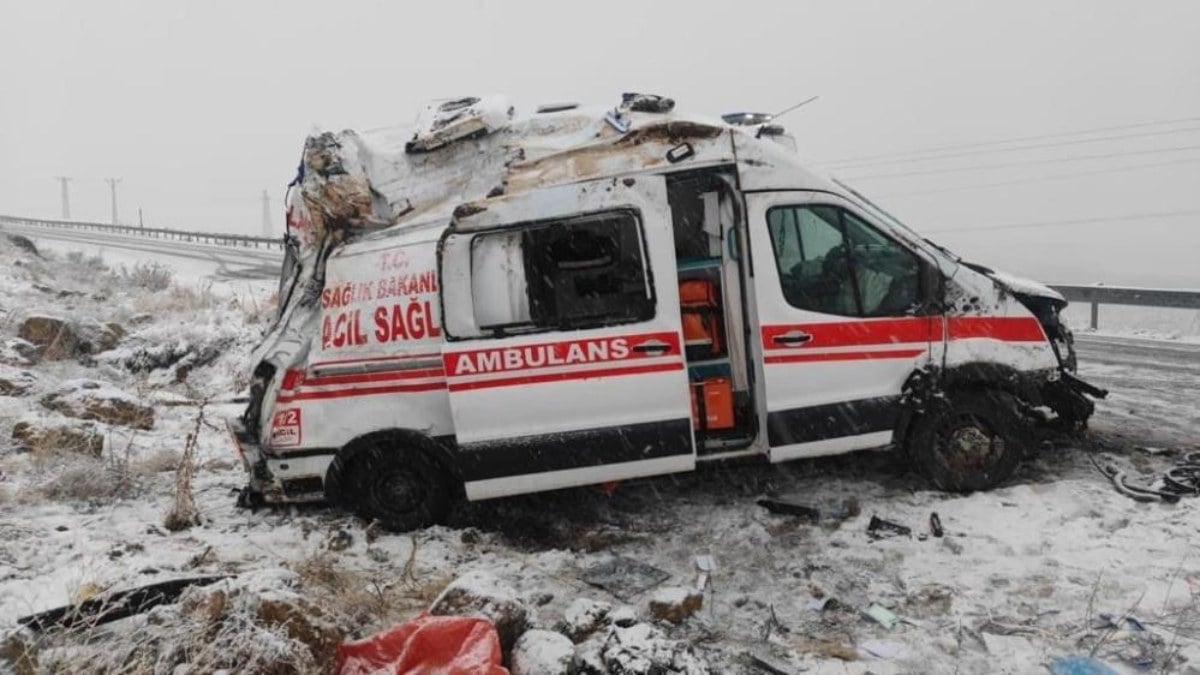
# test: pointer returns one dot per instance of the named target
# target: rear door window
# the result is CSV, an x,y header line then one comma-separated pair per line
x,y
576,273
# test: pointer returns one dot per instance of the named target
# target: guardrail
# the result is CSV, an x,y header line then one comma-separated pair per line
x,y
215,238
1119,295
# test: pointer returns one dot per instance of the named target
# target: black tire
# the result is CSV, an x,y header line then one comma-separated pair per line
x,y
395,484
972,441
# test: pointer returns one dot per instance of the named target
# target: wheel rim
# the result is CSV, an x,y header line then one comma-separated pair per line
x,y
969,444
397,491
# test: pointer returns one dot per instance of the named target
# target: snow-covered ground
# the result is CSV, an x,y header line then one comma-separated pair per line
x,y
1047,566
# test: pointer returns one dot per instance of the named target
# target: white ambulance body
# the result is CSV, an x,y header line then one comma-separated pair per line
x,y
498,304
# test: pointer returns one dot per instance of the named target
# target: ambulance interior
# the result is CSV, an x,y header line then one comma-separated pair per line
x,y
711,300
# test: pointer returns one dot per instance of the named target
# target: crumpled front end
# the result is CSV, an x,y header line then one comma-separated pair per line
x,y
1069,396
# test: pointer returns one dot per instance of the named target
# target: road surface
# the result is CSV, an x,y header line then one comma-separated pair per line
x,y
191,259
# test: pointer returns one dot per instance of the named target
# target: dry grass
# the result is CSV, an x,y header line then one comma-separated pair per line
x,y
159,461
183,512
178,298
368,599
208,630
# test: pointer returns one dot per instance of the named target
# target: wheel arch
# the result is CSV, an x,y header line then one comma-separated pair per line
x,y
923,387
439,451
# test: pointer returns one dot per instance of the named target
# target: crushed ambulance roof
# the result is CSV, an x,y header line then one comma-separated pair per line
x,y
415,174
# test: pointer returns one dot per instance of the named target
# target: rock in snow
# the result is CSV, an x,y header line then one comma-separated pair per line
x,y
482,594
55,336
93,400
542,652
675,604
34,436
583,617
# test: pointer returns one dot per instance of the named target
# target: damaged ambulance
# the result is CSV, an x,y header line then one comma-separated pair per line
x,y
499,303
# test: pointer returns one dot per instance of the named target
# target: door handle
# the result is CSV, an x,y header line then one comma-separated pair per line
x,y
792,337
652,347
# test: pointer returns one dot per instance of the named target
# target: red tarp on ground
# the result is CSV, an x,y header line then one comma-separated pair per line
x,y
447,645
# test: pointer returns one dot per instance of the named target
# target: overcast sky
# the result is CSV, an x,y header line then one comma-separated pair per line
x,y
199,106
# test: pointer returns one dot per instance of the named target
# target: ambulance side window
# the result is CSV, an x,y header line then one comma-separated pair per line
x,y
832,262
577,273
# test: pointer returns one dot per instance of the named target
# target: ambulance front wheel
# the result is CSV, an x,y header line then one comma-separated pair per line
x,y
402,488
972,441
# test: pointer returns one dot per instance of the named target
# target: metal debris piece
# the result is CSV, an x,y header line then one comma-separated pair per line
x,y
112,606
883,616
935,525
789,508
624,577
705,566
879,528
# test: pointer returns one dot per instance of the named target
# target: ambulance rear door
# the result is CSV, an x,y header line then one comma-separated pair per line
x,y
564,356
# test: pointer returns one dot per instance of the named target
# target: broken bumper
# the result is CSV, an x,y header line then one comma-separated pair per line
x,y
274,479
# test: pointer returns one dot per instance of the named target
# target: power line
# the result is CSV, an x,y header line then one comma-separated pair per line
x,y
1038,179
1038,146
1032,162
1077,221
1017,139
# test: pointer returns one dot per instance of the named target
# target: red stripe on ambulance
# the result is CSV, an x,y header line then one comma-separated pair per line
x,y
846,356
1006,328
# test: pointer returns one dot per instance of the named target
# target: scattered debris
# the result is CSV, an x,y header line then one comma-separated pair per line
x,y
879,528
102,609
788,508
705,566
1079,665
1135,492
624,577
830,512
883,616
675,604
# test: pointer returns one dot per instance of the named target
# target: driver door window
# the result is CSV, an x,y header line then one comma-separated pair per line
x,y
832,262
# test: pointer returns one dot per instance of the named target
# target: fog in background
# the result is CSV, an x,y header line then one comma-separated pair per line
x,y
199,106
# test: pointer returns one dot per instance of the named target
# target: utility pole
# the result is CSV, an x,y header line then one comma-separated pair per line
x,y
266,214
112,185
66,196
141,223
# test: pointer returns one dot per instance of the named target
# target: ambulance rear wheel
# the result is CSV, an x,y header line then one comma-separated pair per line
x,y
401,488
973,441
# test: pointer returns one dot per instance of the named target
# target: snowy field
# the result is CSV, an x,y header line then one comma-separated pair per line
x,y
1054,564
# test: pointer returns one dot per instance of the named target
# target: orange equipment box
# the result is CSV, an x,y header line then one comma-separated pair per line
x,y
712,404
701,310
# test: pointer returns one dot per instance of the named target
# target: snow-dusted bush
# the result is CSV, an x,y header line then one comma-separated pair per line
x,y
151,276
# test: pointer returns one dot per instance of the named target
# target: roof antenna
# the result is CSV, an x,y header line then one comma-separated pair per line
x,y
785,111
